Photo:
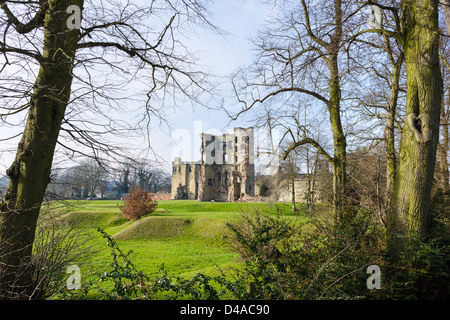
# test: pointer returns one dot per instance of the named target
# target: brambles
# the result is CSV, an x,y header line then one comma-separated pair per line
x,y
123,281
288,260
137,204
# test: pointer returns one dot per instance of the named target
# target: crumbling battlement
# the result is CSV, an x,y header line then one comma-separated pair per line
x,y
226,171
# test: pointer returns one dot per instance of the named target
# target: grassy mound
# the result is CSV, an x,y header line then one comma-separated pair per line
x,y
154,227
186,236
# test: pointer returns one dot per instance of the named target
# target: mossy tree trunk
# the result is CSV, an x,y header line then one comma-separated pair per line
x,y
293,193
30,172
339,142
334,109
414,176
442,173
443,147
389,133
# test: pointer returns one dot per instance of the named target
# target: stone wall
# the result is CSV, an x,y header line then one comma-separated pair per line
x,y
224,173
185,179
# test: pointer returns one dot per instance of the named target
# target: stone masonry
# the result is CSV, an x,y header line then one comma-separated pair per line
x,y
226,171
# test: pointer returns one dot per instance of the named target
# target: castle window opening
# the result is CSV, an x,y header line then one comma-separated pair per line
x,y
217,181
219,178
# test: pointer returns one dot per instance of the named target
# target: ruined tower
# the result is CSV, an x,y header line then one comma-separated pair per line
x,y
226,171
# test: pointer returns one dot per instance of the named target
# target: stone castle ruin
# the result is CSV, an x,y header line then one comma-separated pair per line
x,y
226,171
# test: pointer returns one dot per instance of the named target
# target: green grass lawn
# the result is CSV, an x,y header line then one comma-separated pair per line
x,y
187,236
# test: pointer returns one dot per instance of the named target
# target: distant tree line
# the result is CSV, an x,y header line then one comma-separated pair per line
x,y
90,179
141,174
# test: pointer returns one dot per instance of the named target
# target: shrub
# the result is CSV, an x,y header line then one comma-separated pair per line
x,y
425,271
286,260
137,203
58,244
283,259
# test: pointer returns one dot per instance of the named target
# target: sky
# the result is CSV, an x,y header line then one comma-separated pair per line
x,y
220,55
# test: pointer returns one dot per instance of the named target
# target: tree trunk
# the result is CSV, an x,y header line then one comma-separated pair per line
x,y
446,9
339,141
414,176
442,152
30,172
293,192
334,109
390,124
444,146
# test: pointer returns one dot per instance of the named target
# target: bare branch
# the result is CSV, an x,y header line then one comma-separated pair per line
x,y
23,28
311,142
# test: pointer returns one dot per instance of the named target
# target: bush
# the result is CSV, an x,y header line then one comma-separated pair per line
x,y
137,204
425,271
58,244
285,260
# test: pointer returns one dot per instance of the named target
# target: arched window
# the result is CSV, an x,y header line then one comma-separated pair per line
x,y
219,179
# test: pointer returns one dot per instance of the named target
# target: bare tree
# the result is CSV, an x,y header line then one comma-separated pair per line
x,y
382,103
93,176
414,24
144,174
63,62
446,9
122,178
300,61
289,174
443,163
417,26
67,183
